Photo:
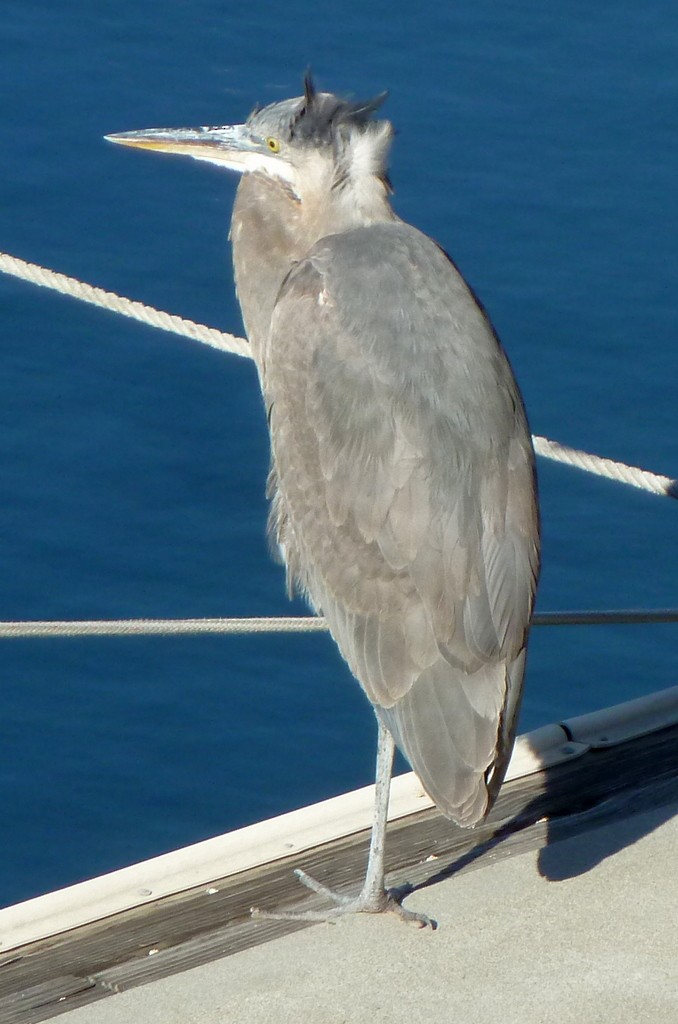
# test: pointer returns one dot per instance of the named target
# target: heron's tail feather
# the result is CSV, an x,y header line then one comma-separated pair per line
x,y
456,730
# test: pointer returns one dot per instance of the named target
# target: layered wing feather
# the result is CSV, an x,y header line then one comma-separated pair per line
x,y
404,498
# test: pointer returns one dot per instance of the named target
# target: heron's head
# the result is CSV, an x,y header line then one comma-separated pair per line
x,y
313,144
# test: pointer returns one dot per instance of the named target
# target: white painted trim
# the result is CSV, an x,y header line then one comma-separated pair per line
x,y
625,721
304,829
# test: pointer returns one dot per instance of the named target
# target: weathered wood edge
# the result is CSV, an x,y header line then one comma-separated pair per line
x,y
43,979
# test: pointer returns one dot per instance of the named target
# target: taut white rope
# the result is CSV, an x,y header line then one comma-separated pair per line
x,y
126,307
631,475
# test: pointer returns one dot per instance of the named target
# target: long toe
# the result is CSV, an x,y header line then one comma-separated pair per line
x,y
367,902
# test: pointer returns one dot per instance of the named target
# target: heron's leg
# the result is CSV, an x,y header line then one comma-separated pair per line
x,y
374,898
373,893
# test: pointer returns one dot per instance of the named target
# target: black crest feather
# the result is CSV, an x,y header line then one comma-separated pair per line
x,y
309,87
321,114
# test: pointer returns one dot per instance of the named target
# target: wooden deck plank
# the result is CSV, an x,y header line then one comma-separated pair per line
x,y
40,980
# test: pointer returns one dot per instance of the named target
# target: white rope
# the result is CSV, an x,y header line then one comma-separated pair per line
x,y
641,478
289,624
619,471
118,304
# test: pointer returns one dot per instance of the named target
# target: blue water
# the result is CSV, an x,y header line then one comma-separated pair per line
x,y
538,143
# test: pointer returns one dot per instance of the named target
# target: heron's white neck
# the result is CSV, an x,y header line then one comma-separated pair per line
x,y
272,228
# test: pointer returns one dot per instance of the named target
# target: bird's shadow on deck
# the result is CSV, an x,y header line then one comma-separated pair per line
x,y
563,858
569,844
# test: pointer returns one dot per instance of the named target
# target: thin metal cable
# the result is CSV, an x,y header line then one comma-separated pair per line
x,y
161,627
632,475
290,624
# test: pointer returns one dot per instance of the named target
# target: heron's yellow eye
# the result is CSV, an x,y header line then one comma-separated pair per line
x,y
273,145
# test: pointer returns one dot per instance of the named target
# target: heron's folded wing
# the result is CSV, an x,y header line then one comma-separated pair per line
x,y
405,476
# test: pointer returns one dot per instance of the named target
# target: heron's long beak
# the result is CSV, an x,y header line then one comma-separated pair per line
x,y
232,146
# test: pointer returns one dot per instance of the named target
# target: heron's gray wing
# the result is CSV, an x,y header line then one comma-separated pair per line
x,y
404,496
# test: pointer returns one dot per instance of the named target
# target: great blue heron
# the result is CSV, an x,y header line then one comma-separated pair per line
x,y
402,483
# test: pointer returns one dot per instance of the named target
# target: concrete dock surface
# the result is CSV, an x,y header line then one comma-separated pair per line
x,y
583,930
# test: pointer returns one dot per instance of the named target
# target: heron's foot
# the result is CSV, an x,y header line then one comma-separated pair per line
x,y
369,901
